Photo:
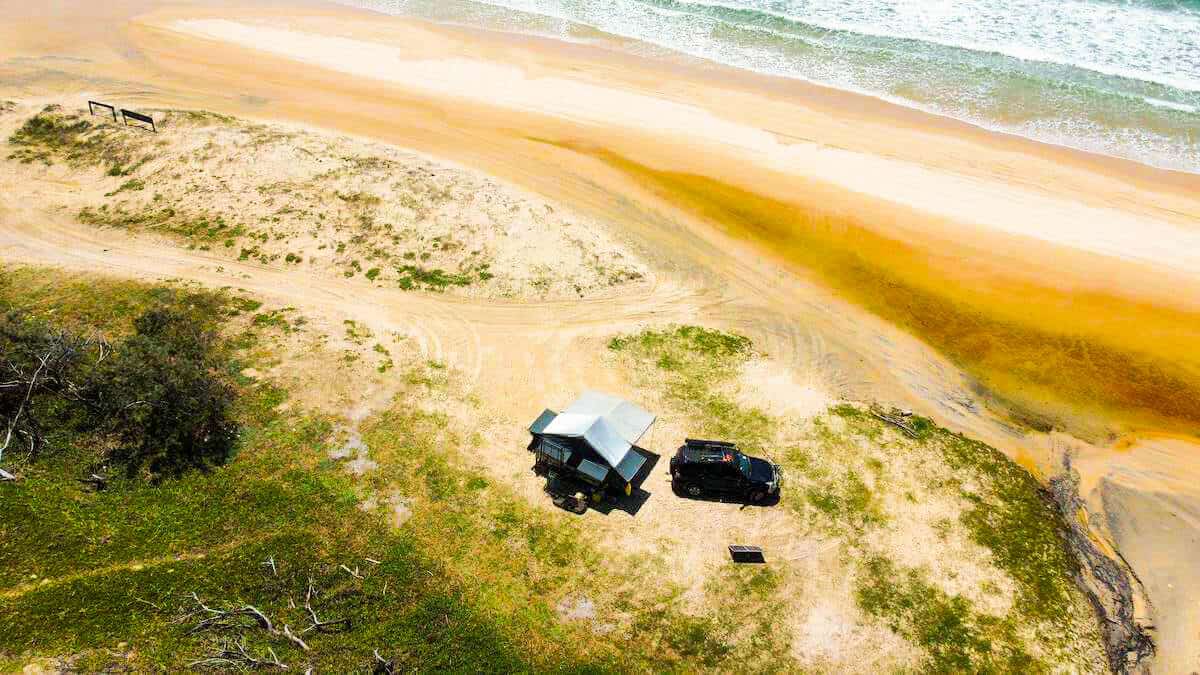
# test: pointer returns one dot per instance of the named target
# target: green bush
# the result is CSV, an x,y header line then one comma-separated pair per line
x,y
157,403
161,396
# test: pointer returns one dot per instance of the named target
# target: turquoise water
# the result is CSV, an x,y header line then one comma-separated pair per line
x,y
1120,77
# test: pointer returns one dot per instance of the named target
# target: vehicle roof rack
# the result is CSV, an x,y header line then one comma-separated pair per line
x,y
698,442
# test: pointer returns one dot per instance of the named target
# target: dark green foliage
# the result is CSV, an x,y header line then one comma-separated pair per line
x,y
161,397
157,402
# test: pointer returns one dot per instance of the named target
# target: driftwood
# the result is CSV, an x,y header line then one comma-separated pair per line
x,y
317,623
287,633
224,619
97,481
382,666
233,653
896,418
51,368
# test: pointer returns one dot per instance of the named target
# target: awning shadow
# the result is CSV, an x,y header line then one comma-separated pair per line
x,y
633,502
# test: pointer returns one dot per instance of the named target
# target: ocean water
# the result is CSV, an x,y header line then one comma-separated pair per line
x,y
1119,77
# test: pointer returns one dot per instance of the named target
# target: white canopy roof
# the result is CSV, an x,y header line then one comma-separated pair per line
x,y
609,424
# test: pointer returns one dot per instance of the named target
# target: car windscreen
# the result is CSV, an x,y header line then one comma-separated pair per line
x,y
743,463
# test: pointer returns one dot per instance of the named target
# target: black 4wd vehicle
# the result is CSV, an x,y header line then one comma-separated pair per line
x,y
719,468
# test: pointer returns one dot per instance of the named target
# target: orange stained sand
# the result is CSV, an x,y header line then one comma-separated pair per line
x,y
1040,350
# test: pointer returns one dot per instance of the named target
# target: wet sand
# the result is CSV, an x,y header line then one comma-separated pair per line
x,y
1097,258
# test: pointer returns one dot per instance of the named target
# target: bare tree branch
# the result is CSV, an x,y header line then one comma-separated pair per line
x,y
287,632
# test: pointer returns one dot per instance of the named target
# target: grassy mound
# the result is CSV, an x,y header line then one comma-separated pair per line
x,y
951,546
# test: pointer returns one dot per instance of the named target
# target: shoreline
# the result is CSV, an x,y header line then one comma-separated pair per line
x,y
811,89
842,100
145,64
1164,237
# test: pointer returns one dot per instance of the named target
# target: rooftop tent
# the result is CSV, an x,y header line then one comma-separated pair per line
x,y
610,425
539,425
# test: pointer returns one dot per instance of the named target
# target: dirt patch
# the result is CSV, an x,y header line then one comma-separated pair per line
x,y
774,388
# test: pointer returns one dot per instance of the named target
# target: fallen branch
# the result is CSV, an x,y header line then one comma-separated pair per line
x,y
896,421
317,623
226,619
382,665
147,602
234,653
97,481
287,633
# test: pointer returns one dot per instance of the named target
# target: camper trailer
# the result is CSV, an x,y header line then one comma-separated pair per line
x,y
590,447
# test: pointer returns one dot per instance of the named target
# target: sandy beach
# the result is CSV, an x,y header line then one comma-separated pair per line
x,y
779,208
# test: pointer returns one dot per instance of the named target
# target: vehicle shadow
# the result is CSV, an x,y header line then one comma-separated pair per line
x,y
769,500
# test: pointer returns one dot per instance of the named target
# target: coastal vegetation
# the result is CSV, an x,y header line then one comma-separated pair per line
x,y
283,551
877,490
195,500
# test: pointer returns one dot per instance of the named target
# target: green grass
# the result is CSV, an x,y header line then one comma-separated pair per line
x,y
198,228
956,638
520,557
1012,516
691,362
1009,512
132,185
85,303
468,583
83,571
261,506
840,483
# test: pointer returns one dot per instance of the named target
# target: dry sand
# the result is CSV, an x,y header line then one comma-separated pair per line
x,y
1098,224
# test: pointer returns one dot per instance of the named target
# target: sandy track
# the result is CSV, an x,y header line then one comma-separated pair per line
x,y
522,347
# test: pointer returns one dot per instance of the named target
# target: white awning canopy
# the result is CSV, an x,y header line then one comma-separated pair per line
x,y
609,424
